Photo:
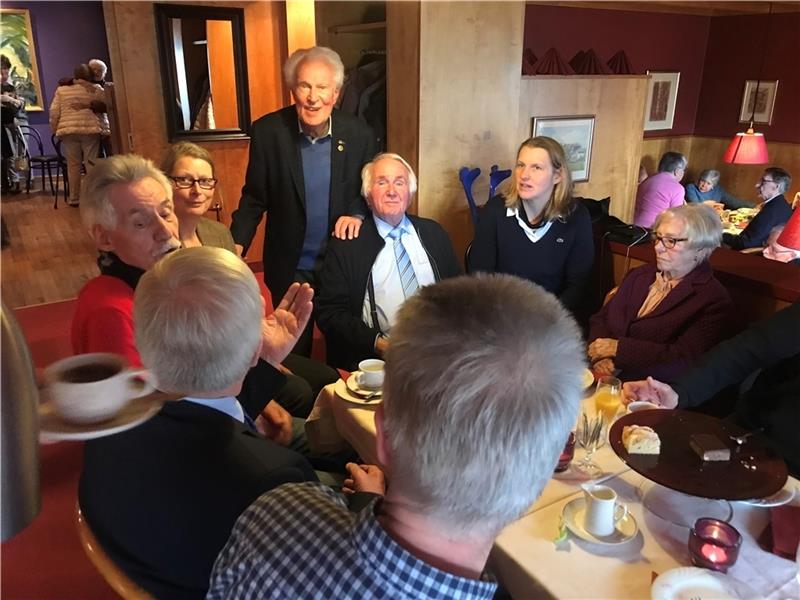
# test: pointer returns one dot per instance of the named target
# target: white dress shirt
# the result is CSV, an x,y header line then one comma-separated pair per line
x,y
228,405
386,277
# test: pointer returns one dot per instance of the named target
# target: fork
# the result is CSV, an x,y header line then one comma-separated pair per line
x,y
741,439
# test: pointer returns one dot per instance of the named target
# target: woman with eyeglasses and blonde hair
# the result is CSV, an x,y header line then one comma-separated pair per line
x,y
191,170
665,315
535,229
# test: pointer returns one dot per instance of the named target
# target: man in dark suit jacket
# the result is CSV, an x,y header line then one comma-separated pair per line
x,y
161,498
774,211
361,285
304,172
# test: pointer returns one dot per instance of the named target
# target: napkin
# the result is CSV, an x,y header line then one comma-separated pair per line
x,y
783,532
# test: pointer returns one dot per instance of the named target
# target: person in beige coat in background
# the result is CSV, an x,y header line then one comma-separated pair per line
x,y
72,120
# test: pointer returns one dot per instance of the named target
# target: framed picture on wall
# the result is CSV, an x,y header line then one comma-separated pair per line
x,y
758,106
17,44
662,94
575,134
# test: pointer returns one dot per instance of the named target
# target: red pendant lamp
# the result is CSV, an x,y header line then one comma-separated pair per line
x,y
750,148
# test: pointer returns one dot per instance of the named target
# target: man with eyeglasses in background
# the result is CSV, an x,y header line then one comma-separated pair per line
x,y
774,211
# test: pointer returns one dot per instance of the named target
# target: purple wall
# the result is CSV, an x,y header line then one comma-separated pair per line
x,y
65,34
652,41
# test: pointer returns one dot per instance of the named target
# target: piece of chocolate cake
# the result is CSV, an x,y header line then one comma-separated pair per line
x,y
709,447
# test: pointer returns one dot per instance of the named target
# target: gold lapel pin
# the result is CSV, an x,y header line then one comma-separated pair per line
x,y
340,147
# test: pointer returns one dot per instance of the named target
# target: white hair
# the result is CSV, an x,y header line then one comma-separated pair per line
x,y
96,207
701,225
483,383
197,314
315,53
99,65
367,169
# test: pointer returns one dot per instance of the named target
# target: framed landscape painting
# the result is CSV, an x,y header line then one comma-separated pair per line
x,y
16,42
575,134
758,106
662,94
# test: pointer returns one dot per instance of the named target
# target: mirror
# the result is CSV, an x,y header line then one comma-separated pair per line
x,y
204,71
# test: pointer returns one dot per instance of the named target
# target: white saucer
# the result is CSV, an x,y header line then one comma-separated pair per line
x,y
693,583
573,515
779,498
353,386
345,394
53,428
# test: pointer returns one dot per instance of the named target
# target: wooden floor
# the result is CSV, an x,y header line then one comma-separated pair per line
x,y
50,257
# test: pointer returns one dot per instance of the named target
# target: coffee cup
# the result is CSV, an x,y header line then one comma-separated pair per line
x,y
371,374
603,512
89,388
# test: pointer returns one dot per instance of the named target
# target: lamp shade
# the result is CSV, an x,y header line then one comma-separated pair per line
x,y
747,149
790,236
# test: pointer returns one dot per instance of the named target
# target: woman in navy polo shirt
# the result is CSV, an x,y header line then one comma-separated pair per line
x,y
535,229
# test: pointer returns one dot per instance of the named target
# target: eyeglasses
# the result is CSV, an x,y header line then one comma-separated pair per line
x,y
668,242
205,183
763,181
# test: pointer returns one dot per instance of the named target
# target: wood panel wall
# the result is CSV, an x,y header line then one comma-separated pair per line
x,y
618,105
706,153
133,49
470,64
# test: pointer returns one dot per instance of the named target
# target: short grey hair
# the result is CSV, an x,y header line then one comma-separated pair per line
x,y
96,207
482,387
709,175
671,162
320,53
702,226
367,169
780,176
197,314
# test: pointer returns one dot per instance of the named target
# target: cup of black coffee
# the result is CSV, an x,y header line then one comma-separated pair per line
x,y
89,388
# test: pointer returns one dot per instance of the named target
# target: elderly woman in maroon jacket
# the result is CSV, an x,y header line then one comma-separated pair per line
x,y
665,315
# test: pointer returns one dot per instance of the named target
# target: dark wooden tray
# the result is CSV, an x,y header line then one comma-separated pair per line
x,y
754,471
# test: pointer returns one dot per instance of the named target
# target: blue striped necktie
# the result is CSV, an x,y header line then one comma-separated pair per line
x,y
407,276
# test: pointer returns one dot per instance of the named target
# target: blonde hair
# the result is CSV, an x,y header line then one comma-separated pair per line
x,y
561,204
180,150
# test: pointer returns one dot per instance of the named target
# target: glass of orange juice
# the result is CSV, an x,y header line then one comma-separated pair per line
x,y
608,397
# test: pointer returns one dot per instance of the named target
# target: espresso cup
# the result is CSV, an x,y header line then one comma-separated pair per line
x,y
90,388
371,373
603,512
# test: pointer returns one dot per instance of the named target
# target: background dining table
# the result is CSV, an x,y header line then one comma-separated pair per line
x,y
529,562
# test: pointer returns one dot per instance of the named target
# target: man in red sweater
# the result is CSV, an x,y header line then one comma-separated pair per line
x,y
128,210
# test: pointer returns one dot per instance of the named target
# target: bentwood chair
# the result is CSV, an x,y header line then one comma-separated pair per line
x,y
62,170
41,161
468,177
113,575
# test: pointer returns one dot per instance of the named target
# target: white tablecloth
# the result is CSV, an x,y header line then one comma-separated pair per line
x,y
530,564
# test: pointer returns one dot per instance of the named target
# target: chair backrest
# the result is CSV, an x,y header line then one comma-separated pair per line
x,y
31,134
57,145
113,575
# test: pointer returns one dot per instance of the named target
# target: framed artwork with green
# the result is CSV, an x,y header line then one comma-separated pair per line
x,y
16,43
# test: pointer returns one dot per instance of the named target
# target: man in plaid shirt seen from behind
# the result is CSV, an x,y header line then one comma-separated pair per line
x,y
482,387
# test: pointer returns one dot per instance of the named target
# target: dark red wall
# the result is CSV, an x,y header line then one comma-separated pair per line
x,y
652,41
734,55
715,55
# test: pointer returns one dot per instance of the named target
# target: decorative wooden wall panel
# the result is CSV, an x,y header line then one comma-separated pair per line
x,y
617,101
130,27
470,65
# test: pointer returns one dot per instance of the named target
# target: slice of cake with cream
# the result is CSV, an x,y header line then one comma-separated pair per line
x,y
639,439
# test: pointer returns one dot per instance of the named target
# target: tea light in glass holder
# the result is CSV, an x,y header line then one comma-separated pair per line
x,y
714,544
